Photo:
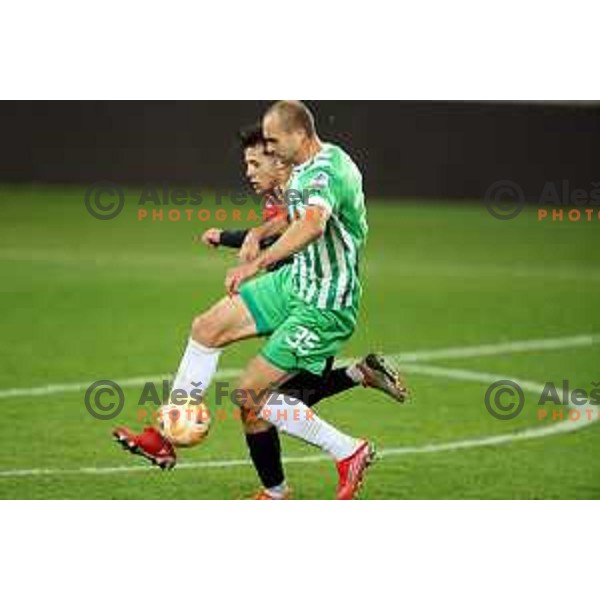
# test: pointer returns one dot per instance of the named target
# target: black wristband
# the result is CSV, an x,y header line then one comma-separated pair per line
x,y
233,238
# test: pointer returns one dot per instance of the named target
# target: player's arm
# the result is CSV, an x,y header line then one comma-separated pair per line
x,y
275,226
262,236
234,238
312,222
298,235
230,238
321,202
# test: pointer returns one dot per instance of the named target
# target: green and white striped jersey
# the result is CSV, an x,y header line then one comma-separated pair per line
x,y
325,273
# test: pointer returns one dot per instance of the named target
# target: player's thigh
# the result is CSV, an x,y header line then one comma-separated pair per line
x,y
224,322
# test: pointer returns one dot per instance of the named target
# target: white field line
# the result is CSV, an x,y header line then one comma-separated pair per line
x,y
457,374
559,343
403,358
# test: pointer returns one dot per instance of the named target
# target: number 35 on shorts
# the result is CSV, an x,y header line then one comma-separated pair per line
x,y
303,340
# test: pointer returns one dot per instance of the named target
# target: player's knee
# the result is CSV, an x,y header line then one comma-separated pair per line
x,y
241,398
255,425
247,398
206,331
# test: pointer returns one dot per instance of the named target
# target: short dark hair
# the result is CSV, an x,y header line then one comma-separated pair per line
x,y
251,136
294,115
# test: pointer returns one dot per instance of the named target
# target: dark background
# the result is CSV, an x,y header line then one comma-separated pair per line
x,y
405,149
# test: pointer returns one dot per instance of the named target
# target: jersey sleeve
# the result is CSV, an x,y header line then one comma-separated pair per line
x,y
319,191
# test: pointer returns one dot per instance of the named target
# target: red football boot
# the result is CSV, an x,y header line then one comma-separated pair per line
x,y
351,470
150,444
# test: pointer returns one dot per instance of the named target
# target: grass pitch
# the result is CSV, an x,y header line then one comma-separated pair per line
x,y
83,299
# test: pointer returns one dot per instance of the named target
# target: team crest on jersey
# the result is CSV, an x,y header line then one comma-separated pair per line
x,y
320,181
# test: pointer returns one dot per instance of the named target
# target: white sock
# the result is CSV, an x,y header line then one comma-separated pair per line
x,y
355,374
295,418
197,367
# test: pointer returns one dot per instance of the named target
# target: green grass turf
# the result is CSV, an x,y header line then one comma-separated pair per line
x,y
83,299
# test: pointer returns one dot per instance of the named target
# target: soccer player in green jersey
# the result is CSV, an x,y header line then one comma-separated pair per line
x,y
308,309
267,175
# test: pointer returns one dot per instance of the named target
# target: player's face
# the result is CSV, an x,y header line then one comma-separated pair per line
x,y
283,144
264,171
